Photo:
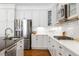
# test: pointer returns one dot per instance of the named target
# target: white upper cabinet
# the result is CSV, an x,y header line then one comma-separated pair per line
x,y
19,14
35,18
38,13
23,13
61,12
28,14
43,18
39,18
73,10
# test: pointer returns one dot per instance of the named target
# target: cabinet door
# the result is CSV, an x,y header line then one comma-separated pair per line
x,y
20,48
40,42
45,41
28,14
43,18
73,9
35,17
34,42
53,47
19,14
50,46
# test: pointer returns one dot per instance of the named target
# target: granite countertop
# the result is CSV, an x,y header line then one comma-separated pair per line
x,y
6,43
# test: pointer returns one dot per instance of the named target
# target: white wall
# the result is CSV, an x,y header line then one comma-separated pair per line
x,y
6,18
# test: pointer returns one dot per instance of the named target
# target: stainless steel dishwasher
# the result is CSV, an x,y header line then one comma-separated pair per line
x,y
11,51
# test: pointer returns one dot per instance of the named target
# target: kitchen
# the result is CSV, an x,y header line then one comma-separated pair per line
x,y
49,27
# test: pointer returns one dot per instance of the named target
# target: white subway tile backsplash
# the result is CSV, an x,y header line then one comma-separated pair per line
x,y
72,29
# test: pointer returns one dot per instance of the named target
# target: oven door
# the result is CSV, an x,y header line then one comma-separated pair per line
x,y
11,51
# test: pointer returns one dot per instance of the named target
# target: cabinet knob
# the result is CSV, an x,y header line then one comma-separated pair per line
x,y
69,55
60,47
60,54
5,51
53,46
36,39
48,41
20,41
20,46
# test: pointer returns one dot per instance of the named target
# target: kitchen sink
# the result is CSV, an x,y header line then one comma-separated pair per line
x,y
63,38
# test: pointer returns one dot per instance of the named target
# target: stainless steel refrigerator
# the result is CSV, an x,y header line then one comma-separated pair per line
x,y
26,32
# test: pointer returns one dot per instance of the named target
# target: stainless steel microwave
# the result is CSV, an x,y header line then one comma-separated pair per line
x,y
62,11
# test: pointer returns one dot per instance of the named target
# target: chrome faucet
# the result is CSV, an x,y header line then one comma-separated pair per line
x,y
6,35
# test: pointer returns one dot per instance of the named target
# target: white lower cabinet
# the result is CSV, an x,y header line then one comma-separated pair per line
x,y
51,47
56,49
2,53
63,51
39,41
34,40
20,48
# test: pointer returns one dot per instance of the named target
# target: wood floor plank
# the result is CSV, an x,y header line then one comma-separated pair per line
x,y
35,52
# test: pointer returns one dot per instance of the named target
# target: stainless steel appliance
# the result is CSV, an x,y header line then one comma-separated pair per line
x,y
26,32
11,51
17,28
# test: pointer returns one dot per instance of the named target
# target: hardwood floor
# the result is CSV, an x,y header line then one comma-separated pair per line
x,y
36,52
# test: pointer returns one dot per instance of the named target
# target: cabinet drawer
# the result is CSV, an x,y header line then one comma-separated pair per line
x,y
60,53
21,42
69,53
33,36
20,47
63,51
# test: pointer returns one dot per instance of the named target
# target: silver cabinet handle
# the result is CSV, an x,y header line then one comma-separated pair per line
x,y
60,47
36,39
48,41
20,41
53,46
20,46
5,51
60,54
